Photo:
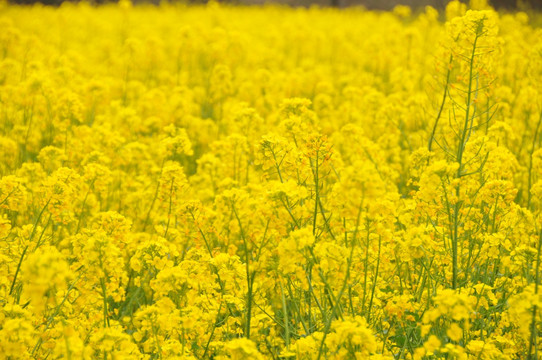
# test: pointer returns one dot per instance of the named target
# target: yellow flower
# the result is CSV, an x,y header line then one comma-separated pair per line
x,y
454,332
432,344
242,349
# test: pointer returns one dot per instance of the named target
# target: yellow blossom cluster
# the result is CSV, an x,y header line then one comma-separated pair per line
x,y
227,182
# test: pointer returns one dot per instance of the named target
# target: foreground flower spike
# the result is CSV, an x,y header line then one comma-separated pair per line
x,y
226,182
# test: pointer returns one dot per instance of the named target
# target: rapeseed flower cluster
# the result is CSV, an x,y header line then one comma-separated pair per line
x,y
197,182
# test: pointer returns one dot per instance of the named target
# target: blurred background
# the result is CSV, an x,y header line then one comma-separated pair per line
x,y
390,4
369,4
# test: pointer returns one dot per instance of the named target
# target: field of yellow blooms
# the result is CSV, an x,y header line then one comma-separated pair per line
x,y
221,182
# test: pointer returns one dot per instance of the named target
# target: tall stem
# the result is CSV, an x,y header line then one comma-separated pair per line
x,y
443,101
459,158
534,332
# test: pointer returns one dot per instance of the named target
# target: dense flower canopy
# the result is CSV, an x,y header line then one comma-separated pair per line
x,y
194,182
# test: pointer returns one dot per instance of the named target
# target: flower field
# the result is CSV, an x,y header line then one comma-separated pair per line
x,y
229,182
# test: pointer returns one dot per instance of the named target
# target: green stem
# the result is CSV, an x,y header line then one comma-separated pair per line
x,y
459,159
170,205
147,218
26,248
316,187
375,279
533,146
534,332
250,277
286,324
443,101
104,295
337,301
